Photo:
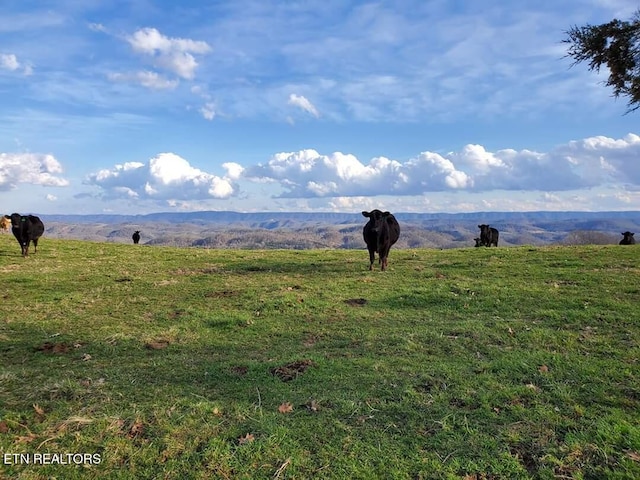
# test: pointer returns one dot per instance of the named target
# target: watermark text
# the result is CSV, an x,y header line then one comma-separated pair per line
x,y
51,458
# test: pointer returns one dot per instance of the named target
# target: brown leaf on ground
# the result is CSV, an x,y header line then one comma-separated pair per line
x,y
136,430
4,428
543,369
26,438
39,410
248,438
285,407
313,405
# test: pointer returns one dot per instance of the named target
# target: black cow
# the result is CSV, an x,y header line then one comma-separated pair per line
x,y
136,236
26,229
628,239
478,242
380,233
488,235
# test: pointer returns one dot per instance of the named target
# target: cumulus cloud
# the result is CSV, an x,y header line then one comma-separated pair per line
x,y
580,164
309,174
173,54
33,168
165,177
617,159
303,103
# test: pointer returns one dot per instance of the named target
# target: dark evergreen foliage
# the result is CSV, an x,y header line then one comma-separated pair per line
x,y
615,45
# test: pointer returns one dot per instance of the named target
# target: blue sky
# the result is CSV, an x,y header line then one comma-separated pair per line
x,y
408,105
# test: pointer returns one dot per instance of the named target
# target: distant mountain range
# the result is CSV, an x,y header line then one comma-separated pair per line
x,y
226,229
229,217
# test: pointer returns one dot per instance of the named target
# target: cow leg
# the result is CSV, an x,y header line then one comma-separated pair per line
x,y
25,248
372,257
35,245
384,255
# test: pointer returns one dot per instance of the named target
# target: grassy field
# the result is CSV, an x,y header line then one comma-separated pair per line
x,y
128,361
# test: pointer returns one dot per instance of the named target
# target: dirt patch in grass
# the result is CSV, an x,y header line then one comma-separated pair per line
x,y
239,370
158,344
292,370
222,294
356,302
51,347
310,341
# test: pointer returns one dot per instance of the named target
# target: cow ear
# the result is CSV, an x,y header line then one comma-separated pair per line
x,y
366,214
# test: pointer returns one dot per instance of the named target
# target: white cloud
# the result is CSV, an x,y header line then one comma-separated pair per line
x,y
98,27
234,170
208,111
617,159
145,78
36,169
587,163
165,177
303,103
173,54
10,62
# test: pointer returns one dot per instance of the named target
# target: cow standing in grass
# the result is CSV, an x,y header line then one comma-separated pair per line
x,y
380,233
478,242
26,229
628,239
488,235
5,223
136,236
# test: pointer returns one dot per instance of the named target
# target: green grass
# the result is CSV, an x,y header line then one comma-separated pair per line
x,y
466,363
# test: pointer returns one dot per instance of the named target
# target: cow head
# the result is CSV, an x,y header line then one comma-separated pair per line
x,y
478,242
17,219
376,217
